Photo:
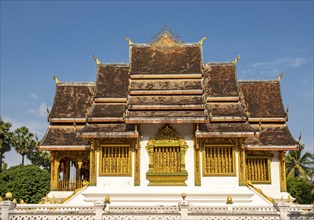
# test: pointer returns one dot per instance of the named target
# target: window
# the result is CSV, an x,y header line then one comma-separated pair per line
x,y
218,160
258,169
166,152
167,160
115,160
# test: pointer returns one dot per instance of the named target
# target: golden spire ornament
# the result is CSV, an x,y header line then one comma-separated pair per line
x,y
55,79
129,41
96,60
236,59
279,77
202,40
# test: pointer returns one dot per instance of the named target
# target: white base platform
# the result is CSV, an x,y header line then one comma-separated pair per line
x,y
167,196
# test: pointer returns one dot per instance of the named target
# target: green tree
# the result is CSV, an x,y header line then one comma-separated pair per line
x,y
23,141
4,166
39,158
301,189
5,140
29,183
299,164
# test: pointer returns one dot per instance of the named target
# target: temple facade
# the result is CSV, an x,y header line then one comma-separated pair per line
x,y
164,124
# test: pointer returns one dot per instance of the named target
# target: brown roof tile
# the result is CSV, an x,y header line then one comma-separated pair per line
x,y
112,81
220,80
227,127
166,113
231,130
72,100
62,135
120,130
165,100
182,59
101,110
278,136
108,128
225,110
262,99
166,84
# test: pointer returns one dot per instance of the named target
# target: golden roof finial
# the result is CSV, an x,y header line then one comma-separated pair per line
x,y
55,79
183,195
289,199
300,138
236,59
129,41
96,60
1,199
280,76
229,200
202,40
107,199
14,200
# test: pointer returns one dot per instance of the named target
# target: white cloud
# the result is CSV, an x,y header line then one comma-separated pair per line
x,y
271,68
41,110
33,96
38,127
309,147
294,62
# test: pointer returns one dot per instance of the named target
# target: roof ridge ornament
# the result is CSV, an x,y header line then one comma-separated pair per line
x,y
129,41
202,40
300,138
279,77
236,60
165,39
96,60
55,79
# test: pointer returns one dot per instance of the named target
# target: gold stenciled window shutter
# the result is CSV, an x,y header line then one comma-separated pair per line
x,y
166,153
115,160
258,169
219,160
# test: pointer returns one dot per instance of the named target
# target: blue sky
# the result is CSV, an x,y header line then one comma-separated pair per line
x,y
60,37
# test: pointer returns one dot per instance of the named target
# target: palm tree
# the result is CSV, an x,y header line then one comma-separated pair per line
x,y
23,141
5,140
299,164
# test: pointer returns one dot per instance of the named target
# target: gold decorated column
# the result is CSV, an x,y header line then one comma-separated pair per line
x,y
92,165
78,173
242,163
53,179
282,161
137,163
197,173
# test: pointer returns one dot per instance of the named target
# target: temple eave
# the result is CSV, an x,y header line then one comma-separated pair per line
x,y
271,147
90,135
157,120
64,147
106,119
199,134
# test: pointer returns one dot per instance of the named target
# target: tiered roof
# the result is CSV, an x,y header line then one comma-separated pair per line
x,y
167,82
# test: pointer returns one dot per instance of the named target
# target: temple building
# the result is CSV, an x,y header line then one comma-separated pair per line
x,y
164,124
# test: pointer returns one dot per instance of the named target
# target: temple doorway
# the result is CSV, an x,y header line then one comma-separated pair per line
x,y
72,173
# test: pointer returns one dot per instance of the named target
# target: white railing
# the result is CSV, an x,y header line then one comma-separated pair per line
x,y
9,211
